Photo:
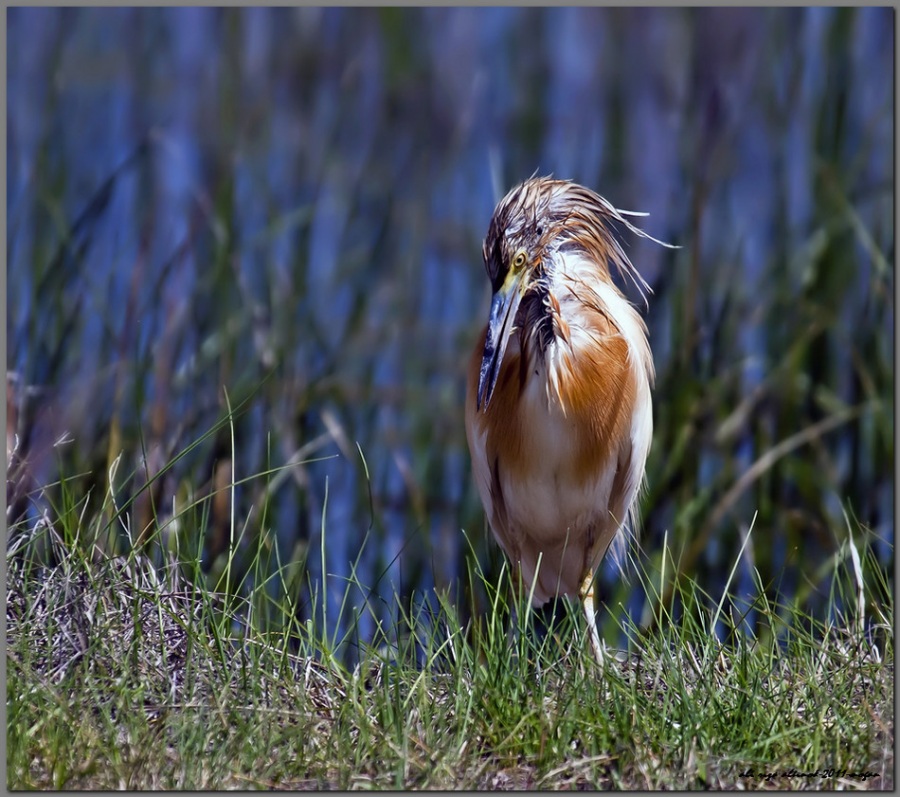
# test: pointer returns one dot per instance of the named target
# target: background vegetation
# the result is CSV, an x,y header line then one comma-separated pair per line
x,y
244,276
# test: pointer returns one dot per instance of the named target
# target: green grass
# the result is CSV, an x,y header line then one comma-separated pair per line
x,y
126,674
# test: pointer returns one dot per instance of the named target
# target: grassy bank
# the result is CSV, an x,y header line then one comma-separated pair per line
x,y
126,675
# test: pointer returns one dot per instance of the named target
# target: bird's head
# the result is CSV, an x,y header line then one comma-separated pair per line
x,y
514,257
533,227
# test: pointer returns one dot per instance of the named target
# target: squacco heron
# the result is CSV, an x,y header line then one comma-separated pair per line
x,y
558,407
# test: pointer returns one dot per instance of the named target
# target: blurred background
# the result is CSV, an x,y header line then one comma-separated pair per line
x,y
280,212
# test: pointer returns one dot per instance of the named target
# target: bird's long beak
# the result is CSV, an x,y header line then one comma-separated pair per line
x,y
504,306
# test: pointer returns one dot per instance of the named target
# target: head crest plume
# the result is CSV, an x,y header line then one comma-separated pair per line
x,y
575,216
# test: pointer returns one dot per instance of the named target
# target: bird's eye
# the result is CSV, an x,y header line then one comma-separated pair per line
x,y
519,259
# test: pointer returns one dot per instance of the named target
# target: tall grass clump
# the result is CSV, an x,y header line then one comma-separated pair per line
x,y
135,671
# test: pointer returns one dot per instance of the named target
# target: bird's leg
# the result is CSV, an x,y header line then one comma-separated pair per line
x,y
516,593
586,593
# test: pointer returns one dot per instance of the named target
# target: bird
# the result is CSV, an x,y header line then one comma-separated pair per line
x,y
558,410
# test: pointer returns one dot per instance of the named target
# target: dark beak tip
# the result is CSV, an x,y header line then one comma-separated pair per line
x,y
486,380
